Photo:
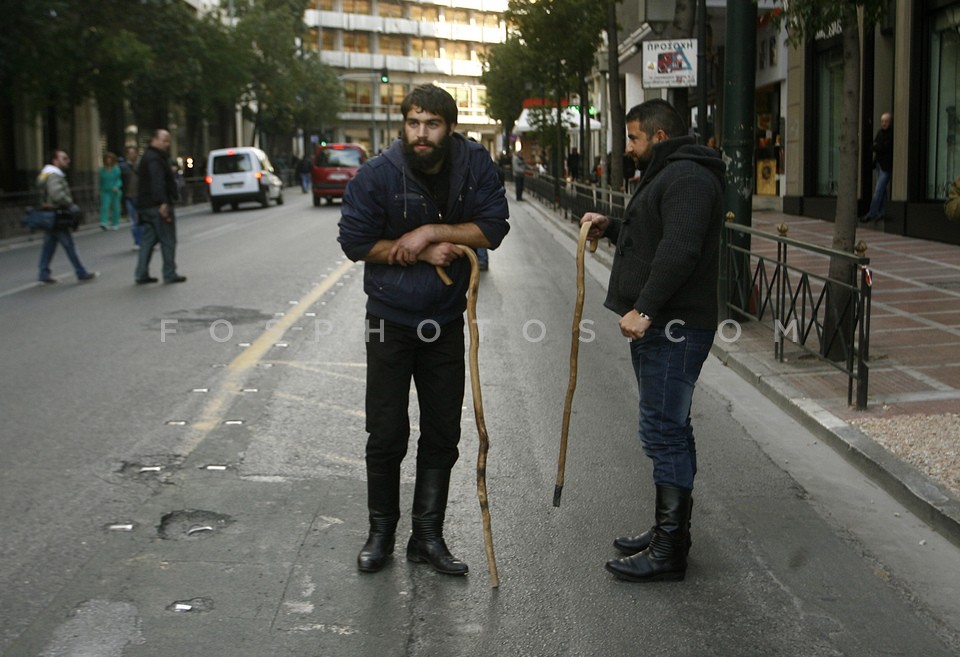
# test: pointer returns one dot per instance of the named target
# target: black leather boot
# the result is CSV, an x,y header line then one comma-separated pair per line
x,y
633,544
429,509
665,559
383,502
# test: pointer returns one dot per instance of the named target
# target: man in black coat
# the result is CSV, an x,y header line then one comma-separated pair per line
x,y
663,284
883,161
158,192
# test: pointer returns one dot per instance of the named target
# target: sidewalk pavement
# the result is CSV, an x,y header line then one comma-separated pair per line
x,y
908,438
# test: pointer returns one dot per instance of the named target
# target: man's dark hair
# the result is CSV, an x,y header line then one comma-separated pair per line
x,y
658,114
433,99
54,153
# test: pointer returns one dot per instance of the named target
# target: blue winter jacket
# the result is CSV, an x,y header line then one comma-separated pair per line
x,y
386,200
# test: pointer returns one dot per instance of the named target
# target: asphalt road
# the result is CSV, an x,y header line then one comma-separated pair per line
x,y
116,400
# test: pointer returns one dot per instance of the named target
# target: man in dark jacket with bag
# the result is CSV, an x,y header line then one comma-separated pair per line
x,y
56,196
404,214
663,284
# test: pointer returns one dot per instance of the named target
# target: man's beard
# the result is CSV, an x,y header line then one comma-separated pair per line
x,y
427,162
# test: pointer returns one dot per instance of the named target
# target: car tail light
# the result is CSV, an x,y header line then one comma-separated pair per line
x,y
208,180
258,175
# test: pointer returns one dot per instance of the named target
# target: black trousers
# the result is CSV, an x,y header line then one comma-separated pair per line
x,y
434,359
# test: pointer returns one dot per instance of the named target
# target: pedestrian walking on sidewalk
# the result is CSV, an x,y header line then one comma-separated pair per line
x,y
55,195
519,173
131,192
110,184
883,162
403,215
158,193
663,284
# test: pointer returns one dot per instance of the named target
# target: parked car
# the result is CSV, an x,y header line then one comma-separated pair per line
x,y
241,174
334,165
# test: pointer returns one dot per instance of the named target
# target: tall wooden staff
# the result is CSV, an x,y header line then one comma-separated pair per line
x,y
477,405
574,351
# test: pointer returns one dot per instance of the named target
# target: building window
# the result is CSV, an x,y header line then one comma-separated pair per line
x,y
829,72
457,16
426,13
425,48
460,94
357,7
458,50
389,9
357,95
943,164
491,20
391,45
321,5
356,41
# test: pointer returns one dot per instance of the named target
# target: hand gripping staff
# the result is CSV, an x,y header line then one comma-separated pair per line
x,y
477,405
574,350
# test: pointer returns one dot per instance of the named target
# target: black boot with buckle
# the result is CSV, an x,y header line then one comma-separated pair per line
x,y
665,559
383,502
633,544
429,510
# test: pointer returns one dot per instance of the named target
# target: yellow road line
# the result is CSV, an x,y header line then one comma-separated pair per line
x,y
238,369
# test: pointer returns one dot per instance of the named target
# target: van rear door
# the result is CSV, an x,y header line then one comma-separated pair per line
x,y
231,174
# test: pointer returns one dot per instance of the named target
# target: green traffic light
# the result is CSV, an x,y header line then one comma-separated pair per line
x,y
384,76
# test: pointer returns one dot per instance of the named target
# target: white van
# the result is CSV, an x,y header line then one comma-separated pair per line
x,y
239,174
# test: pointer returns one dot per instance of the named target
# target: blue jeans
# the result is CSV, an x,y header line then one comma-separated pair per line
x,y
305,182
667,368
155,229
879,195
136,229
50,240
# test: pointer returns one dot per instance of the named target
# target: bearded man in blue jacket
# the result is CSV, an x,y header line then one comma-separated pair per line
x,y
404,214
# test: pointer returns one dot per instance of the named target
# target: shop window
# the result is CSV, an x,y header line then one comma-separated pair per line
x,y
943,149
829,72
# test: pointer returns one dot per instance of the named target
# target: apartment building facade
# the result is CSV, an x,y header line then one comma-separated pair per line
x,y
382,49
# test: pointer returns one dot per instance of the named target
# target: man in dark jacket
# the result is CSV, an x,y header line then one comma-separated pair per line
x,y
403,214
663,284
883,160
158,193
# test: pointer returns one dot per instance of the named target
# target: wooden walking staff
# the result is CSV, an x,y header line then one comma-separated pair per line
x,y
574,351
477,405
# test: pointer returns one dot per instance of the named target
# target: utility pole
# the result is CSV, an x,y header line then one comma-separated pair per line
x,y
738,136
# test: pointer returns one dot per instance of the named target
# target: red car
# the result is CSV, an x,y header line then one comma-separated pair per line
x,y
334,165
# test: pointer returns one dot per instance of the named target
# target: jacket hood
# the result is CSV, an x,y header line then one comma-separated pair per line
x,y
49,169
685,148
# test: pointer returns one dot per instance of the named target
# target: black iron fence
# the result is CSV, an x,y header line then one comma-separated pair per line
x,y
774,280
12,205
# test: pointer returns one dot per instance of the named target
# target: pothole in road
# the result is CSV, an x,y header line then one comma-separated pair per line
x,y
158,466
201,319
191,524
192,605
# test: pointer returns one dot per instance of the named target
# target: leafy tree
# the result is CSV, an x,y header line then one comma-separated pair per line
x,y
805,19
320,98
507,74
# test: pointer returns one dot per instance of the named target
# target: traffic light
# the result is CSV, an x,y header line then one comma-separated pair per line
x,y
384,76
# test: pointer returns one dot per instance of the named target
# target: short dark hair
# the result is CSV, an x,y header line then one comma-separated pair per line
x,y
657,114
433,99
54,153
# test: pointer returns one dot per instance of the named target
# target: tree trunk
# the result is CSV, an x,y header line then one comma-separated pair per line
x,y
618,139
839,318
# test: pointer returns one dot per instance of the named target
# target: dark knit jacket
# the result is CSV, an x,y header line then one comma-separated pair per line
x,y
157,184
668,244
386,200
883,149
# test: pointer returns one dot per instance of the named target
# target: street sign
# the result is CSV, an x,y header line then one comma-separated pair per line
x,y
670,63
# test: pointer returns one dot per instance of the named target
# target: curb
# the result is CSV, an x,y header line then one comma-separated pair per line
x,y
925,498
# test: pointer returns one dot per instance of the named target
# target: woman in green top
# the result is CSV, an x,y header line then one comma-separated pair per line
x,y
110,192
